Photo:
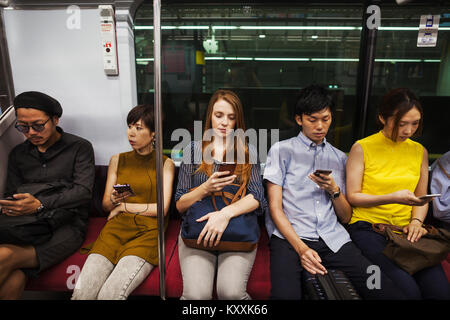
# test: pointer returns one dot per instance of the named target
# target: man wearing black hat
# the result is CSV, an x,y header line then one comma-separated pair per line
x,y
50,175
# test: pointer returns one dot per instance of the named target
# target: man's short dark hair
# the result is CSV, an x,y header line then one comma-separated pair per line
x,y
313,99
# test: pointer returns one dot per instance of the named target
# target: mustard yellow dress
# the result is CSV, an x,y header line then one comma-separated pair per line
x,y
388,167
130,233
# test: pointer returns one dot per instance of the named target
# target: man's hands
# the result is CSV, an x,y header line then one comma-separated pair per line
x,y
24,204
325,182
311,261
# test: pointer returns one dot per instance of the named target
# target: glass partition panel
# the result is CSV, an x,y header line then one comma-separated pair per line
x,y
399,62
264,53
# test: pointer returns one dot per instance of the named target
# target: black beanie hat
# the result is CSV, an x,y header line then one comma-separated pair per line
x,y
40,101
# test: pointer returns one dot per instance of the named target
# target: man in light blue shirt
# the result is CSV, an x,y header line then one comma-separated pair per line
x,y
307,207
440,183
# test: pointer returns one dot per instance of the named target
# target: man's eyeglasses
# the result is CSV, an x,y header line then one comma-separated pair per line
x,y
38,127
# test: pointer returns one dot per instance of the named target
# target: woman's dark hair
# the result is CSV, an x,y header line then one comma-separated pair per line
x,y
144,112
313,99
396,103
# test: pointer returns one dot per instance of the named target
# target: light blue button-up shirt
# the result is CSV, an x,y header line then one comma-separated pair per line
x,y
308,208
440,183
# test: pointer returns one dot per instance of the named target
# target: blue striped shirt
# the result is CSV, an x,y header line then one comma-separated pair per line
x,y
308,208
188,180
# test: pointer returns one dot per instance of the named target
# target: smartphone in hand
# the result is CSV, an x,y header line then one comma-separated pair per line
x,y
318,172
429,196
121,188
9,199
227,166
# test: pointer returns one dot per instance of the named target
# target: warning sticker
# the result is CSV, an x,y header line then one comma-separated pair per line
x,y
428,31
106,27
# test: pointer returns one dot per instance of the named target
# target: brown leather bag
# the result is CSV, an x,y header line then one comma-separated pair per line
x,y
429,251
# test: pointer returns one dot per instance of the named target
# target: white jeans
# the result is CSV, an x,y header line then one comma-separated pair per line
x,y
100,279
198,268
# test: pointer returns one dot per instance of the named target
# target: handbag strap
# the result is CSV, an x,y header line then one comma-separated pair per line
x,y
226,196
381,228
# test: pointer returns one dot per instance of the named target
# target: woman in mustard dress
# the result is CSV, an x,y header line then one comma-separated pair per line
x,y
127,248
386,173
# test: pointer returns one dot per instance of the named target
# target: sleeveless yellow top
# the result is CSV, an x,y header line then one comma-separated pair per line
x,y
388,167
129,233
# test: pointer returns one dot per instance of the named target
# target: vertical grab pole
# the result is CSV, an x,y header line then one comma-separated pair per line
x,y
365,73
158,137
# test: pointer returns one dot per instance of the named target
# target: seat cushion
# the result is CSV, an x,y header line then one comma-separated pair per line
x,y
151,285
258,286
446,267
63,276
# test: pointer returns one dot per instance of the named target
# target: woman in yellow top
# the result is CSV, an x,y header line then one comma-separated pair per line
x,y
386,173
127,248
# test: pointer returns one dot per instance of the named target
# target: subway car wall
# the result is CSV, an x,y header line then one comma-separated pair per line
x,y
265,52
50,53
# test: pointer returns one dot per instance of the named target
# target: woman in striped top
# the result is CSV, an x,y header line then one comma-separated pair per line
x,y
198,267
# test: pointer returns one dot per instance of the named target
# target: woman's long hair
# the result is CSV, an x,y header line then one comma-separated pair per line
x,y
243,170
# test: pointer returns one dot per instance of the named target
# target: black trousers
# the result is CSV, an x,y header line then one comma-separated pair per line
x,y
286,270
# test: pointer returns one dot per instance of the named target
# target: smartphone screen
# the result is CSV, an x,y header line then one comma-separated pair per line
x,y
320,171
227,166
121,188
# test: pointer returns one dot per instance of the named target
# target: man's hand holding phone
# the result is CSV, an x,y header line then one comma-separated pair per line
x,y
20,204
324,180
312,262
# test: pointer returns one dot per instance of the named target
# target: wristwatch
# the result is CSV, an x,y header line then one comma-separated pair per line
x,y
336,194
40,208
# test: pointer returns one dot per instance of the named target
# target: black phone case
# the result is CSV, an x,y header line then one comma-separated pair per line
x,y
227,167
123,188
317,174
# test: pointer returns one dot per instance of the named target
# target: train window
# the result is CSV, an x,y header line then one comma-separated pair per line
x,y
265,53
399,62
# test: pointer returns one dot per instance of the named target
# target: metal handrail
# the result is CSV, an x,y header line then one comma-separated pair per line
x,y
159,144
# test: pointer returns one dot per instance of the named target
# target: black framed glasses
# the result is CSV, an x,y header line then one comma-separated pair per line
x,y
38,127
